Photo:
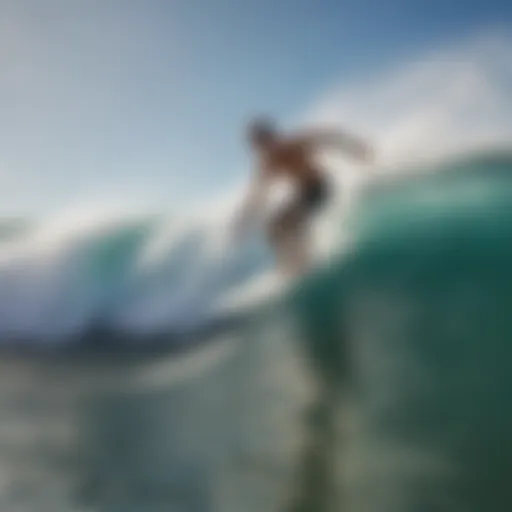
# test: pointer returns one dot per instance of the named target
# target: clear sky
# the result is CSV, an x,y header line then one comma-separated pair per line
x,y
145,99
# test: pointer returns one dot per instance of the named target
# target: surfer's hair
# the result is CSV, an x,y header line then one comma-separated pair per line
x,y
261,129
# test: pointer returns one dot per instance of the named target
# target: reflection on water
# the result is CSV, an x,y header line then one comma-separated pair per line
x,y
221,429
421,312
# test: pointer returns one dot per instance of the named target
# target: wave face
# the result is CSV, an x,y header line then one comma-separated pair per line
x,y
139,275
128,274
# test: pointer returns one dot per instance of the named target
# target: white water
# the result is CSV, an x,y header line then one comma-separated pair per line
x,y
145,274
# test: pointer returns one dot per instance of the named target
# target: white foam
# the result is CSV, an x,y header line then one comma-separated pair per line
x,y
55,279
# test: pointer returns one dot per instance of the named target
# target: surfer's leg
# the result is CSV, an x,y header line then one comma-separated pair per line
x,y
288,232
287,235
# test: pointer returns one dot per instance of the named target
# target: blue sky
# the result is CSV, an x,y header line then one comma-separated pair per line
x,y
145,100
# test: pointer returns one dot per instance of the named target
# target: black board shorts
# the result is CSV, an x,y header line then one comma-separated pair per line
x,y
314,194
310,198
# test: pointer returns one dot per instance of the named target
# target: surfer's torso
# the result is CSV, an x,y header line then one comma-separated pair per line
x,y
293,159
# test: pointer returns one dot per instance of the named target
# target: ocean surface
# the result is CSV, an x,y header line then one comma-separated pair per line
x,y
141,372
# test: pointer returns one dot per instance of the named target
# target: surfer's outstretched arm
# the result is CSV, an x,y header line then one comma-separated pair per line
x,y
342,140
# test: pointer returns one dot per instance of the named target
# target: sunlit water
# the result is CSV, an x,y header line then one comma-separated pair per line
x,y
411,323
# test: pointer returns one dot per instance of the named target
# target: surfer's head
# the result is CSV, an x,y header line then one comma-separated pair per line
x,y
261,132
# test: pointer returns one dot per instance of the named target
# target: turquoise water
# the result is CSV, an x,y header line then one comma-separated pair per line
x,y
422,310
378,383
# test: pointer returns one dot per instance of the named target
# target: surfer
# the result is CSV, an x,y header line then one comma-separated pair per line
x,y
292,157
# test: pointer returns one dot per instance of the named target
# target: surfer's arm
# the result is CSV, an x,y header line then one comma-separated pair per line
x,y
341,140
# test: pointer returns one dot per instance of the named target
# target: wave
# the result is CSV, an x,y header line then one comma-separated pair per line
x,y
142,274
132,274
